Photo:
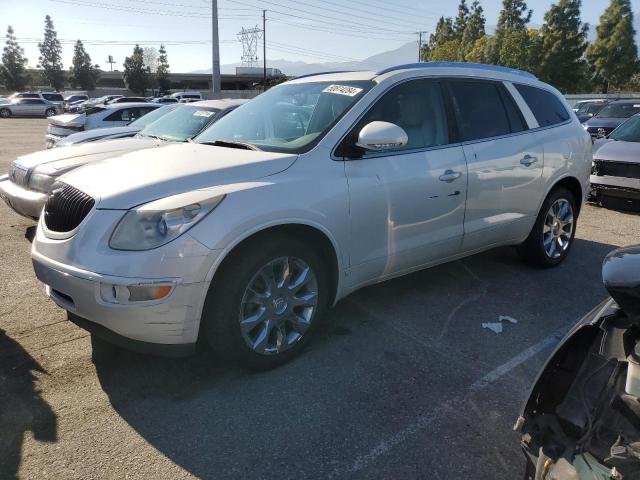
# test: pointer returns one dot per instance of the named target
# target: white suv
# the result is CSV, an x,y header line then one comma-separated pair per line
x,y
318,187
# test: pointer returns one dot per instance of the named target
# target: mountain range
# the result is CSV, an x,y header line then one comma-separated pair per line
x,y
407,53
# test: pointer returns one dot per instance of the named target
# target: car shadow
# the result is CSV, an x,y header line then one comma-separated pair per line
x,y
22,409
306,417
30,233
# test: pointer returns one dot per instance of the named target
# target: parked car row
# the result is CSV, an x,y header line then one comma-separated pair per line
x,y
53,103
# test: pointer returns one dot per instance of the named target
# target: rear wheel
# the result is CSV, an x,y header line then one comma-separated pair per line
x,y
5,113
551,238
265,302
50,112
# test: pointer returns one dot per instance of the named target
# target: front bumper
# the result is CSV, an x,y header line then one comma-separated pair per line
x,y
616,187
162,326
27,203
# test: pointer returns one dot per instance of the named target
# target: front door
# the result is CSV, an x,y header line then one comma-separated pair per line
x,y
406,205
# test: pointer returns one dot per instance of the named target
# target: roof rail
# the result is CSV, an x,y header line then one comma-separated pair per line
x,y
321,73
480,66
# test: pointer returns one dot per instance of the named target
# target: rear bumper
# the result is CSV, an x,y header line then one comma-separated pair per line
x,y
27,203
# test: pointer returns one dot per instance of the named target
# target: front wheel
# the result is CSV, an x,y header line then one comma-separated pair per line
x,y
264,304
50,112
552,235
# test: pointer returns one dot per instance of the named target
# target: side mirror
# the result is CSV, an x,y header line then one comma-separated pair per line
x,y
381,136
621,275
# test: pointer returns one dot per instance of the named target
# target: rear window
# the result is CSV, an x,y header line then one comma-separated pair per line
x,y
484,110
619,110
544,105
53,97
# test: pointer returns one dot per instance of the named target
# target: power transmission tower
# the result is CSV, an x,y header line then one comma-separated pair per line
x,y
215,49
249,38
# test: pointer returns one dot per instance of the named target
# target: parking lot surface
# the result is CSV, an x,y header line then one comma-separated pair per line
x,y
401,382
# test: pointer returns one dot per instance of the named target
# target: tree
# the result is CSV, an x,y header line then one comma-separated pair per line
x,y
448,51
460,23
51,56
443,33
135,72
162,71
13,72
150,56
514,16
564,41
614,55
480,50
83,73
514,50
474,28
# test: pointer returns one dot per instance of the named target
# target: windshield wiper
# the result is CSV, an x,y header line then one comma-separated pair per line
x,y
153,136
232,144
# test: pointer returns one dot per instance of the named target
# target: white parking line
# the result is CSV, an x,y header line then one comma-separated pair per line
x,y
424,421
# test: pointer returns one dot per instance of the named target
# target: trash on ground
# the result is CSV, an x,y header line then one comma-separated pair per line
x,y
497,326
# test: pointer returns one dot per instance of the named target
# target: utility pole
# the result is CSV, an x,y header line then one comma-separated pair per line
x,y
264,49
215,49
420,45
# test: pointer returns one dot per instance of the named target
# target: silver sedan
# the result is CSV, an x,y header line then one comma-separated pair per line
x,y
29,107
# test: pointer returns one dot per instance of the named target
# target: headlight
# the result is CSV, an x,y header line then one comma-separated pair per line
x,y
158,223
41,182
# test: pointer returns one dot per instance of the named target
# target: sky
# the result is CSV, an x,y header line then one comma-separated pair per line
x,y
298,30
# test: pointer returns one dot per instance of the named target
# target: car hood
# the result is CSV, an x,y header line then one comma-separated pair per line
x,y
58,160
97,134
604,122
135,178
618,151
68,120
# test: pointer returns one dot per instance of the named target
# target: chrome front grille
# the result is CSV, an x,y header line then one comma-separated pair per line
x,y
66,208
19,175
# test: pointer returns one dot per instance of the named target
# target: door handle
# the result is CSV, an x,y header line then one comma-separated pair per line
x,y
449,176
528,160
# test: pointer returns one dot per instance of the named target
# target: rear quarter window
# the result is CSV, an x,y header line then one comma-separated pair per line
x,y
545,106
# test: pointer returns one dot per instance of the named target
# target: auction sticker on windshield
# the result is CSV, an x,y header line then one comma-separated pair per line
x,y
342,90
202,113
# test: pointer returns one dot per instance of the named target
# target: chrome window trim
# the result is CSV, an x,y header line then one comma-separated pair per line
x,y
336,158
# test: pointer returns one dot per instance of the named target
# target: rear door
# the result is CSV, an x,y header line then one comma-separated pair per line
x,y
505,163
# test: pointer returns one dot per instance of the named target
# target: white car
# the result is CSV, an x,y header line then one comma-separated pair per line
x,y
186,97
313,189
100,116
109,133
26,187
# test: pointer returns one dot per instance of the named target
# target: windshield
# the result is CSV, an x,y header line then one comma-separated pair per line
x,y
180,124
628,131
589,107
152,116
289,118
95,109
619,110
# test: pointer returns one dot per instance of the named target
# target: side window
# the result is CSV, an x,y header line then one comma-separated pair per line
x,y
480,109
33,101
417,106
544,105
123,115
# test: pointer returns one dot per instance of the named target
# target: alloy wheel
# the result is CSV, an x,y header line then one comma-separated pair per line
x,y
278,305
558,228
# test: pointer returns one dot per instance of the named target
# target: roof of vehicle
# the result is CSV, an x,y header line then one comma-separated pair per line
x,y
627,100
113,106
437,68
219,104
188,92
594,100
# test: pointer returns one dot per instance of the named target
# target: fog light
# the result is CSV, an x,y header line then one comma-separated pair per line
x,y
127,294
144,293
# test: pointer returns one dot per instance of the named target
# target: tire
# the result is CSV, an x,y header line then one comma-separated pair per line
x,y
229,300
50,112
538,249
5,113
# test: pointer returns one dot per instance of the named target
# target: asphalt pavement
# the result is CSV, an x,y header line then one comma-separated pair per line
x,y
402,381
